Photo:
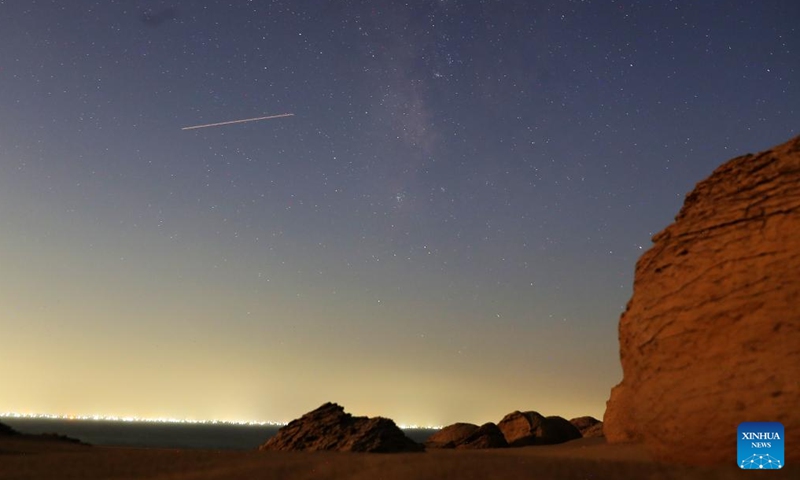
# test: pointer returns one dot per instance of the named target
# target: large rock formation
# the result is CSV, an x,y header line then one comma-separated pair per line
x,y
711,336
486,436
531,428
588,426
451,436
330,428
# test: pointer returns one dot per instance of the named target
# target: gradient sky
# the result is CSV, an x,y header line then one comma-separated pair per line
x,y
445,231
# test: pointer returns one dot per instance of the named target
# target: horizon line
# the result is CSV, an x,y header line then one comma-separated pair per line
x,y
171,420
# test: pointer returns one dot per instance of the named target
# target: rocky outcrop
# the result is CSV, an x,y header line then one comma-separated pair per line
x,y
49,438
710,336
531,428
57,437
516,429
330,428
486,436
6,430
588,426
451,436
594,431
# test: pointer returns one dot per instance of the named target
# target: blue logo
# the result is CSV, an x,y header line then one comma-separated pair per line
x,y
760,445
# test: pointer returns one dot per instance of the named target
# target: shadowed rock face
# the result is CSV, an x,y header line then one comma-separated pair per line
x,y
330,428
594,431
531,428
6,430
486,436
451,436
710,337
588,426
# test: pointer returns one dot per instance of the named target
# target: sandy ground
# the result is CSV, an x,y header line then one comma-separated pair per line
x,y
25,458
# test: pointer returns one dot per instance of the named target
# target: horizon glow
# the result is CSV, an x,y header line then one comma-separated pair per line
x,y
446,230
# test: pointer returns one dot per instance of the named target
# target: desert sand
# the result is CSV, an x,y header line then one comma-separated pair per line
x,y
588,458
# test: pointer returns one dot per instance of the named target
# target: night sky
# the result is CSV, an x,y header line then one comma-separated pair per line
x,y
445,230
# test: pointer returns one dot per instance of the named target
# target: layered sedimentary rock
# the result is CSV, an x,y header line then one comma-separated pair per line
x,y
588,426
451,436
330,428
531,428
711,335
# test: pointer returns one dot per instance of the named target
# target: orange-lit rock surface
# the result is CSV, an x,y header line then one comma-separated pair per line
x,y
711,336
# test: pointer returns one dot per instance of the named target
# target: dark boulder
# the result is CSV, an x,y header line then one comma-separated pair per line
x,y
588,426
6,430
531,428
451,436
330,428
486,436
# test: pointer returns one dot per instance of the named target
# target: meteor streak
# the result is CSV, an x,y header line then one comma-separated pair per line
x,y
231,122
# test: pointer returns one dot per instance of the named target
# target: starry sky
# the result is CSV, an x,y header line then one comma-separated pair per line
x,y
445,230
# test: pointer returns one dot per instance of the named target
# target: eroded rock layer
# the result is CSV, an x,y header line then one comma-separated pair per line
x,y
711,335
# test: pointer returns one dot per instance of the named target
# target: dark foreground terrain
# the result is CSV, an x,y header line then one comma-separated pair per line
x,y
24,457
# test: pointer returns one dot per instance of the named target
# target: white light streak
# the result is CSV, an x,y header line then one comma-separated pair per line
x,y
231,122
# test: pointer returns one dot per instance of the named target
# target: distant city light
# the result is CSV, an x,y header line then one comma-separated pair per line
x,y
113,418
420,427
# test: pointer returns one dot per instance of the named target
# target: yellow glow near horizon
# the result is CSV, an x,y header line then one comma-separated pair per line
x,y
102,320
